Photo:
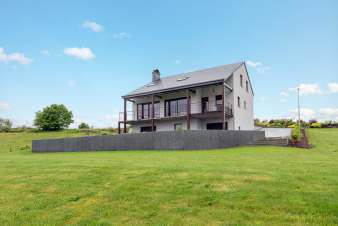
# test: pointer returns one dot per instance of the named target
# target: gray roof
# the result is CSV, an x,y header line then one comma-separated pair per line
x,y
204,76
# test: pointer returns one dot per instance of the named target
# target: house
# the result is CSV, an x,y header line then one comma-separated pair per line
x,y
214,98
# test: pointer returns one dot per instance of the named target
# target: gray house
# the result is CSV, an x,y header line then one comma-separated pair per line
x,y
214,98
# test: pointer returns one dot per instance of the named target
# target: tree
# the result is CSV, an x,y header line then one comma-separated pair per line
x,y
5,125
83,126
53,117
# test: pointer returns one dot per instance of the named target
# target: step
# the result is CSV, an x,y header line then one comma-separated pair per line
x,y
275,141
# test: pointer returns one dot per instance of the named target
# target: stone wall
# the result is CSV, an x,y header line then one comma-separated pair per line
x,y
168,140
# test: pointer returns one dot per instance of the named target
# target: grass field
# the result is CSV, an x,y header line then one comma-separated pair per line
x,y
236,186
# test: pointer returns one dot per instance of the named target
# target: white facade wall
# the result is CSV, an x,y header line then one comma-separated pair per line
x,y
242,118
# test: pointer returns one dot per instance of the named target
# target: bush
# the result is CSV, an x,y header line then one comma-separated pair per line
x,y
83,126
330,124
316,125
53,117
21,129
5,125
295,135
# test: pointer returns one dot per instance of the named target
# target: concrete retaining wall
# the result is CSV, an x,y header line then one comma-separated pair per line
x,y
169,140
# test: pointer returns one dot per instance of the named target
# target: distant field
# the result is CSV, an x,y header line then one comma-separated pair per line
x,y
235,186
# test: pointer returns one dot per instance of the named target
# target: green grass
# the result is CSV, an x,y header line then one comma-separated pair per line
x,y
236,186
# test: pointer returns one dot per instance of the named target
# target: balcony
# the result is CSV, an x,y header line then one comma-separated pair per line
x,y
202,109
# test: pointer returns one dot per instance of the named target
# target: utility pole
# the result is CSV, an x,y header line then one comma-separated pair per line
x,y
298,110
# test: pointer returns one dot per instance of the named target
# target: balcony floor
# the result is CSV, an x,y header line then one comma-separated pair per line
x,y
205,115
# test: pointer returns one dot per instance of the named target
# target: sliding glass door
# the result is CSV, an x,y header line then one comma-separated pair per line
x,y
176,107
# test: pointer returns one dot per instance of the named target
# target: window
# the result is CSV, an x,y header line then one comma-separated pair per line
x,y
176,107
219,103
247,86
178,126
144,111
238,102
215,126
205,104
147,129
182,79
241,81
244,104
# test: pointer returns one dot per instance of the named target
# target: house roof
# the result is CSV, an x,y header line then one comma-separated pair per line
x,y
188,79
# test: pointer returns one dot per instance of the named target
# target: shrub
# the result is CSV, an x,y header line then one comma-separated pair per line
x,y
53,117
83,126
5,125
295,135
316,125
330,124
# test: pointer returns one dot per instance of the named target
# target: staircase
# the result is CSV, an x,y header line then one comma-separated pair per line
x,y
274,141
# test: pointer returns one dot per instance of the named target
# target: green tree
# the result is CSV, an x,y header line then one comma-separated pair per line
x,y
53,117
83,125
5,125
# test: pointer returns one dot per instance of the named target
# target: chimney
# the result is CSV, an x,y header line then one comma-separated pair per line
x,y
156,75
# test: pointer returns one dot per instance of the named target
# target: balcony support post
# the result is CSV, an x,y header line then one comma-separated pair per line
x,y
223,106
152,114
188,109
125,116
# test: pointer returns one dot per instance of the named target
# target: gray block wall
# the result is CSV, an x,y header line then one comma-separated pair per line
x,y
168,140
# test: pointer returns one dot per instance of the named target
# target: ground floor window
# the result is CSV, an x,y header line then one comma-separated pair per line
x,y
147,129
214,126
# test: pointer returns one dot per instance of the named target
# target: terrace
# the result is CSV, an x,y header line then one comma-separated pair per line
x,y
203,102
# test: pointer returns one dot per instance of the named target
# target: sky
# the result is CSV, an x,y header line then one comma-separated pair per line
x,y
87,54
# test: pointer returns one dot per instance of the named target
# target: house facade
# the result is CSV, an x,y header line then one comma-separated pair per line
x,y
213,98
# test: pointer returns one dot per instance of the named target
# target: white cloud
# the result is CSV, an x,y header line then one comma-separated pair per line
x,y
284,94
305,113
329,113
45,52
93,26
307,89
254,64
4,106
333,87
121,35
81,53
71,83
259,66
14,57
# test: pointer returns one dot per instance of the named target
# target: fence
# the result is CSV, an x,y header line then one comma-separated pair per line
x,y
168,140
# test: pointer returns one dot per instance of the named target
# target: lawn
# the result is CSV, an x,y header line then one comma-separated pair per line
x,y
235,186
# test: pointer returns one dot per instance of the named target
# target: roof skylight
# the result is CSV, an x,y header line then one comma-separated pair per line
x,y
150,84
182,79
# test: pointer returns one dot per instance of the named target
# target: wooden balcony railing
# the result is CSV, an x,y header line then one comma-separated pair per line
x,y
178,110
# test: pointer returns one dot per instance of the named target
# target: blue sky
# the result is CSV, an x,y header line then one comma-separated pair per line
x,y
87,54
